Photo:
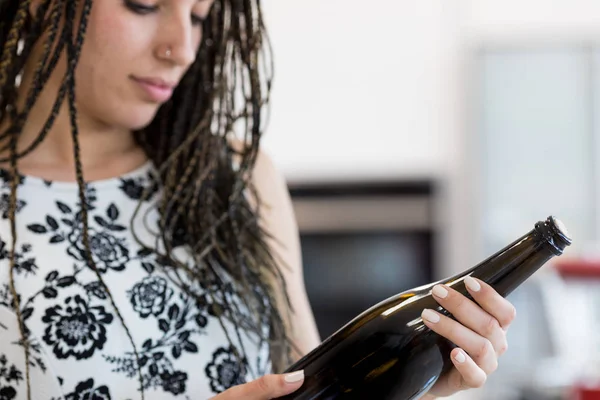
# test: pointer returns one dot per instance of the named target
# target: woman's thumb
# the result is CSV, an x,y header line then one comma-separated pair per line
x,y
266,387
270,386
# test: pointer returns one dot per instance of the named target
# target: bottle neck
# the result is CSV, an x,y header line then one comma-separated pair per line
x,y
511,266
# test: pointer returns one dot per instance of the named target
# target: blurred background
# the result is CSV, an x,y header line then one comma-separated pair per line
x,y
418,137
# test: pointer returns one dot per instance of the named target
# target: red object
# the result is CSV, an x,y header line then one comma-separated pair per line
x,y
585,393
588,269
578,268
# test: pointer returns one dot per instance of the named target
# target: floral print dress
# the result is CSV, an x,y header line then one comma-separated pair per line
x,y
78,347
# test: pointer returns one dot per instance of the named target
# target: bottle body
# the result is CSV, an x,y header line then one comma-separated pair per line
x,y
378,355
388,353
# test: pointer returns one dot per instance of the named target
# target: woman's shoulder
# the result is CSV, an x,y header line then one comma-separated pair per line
x,y
267,178
278,218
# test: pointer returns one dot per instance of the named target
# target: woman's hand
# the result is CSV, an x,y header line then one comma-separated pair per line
x,y
264,388
480,334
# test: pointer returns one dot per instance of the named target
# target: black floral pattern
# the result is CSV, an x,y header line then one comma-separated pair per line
x,y
76,330
69,315
8,393
225,370
108,251
5,205
150,296
134,187
9,379
177,319
174,382
24,263
6,177
95,289
6,297
86,390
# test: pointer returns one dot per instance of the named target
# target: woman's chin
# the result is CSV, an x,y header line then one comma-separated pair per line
x,y
137,120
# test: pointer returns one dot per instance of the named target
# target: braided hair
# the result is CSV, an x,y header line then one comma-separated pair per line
x,y
205,181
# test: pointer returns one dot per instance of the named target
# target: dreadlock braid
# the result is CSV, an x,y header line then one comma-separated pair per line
x,y
74,50
219,221
39,79
8,54
205,182
9,50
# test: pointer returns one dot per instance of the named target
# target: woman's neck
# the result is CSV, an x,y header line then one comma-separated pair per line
x,y
104,152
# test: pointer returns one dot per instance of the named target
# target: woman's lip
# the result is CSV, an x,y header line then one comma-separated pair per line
x,y
157,93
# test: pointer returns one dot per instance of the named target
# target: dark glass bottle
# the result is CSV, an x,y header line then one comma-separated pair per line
x,y
387,353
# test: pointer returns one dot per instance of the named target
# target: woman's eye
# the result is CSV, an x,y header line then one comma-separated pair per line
x,y
197,20
140,8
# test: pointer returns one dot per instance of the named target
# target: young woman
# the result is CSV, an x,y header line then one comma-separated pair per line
x,y
148,249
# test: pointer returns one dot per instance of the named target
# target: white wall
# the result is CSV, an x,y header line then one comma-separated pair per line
x,y
378,88
526,19
510,23
362,88
381,89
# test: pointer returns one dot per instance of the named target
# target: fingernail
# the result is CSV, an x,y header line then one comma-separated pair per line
x,y
430,315
472,284
294,377
460,357
440,291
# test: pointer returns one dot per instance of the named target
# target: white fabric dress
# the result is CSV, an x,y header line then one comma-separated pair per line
x,y
80,350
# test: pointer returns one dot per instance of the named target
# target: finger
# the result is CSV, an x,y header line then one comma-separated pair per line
x,y
497,306
264,388
478,347
467,375
471,315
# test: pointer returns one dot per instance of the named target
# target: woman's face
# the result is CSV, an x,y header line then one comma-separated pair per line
x,y
135,52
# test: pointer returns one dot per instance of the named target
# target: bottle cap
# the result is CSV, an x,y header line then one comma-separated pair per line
x,y
560,229
554,232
